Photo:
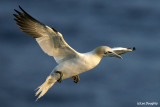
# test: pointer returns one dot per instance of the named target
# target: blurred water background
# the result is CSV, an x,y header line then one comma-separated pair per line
x,y
85,24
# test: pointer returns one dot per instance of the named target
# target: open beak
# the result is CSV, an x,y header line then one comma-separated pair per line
x,y
116,55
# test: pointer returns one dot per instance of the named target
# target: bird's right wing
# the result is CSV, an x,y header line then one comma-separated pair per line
x,y
49,39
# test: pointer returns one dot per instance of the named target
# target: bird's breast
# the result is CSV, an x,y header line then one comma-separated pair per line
x,y
78,65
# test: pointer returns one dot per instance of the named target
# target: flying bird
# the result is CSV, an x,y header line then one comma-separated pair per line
x,y
70,63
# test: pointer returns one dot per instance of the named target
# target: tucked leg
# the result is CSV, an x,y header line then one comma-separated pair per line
x,y
60,78
76,78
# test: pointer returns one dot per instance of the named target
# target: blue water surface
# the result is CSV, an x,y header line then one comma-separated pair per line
x,y
85,24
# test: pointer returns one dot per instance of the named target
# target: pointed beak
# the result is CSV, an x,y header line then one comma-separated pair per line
x,y
116,55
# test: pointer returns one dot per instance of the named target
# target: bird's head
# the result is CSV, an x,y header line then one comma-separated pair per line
x,y
104,51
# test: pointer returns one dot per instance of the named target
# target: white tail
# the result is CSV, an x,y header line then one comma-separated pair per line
x,y
45,86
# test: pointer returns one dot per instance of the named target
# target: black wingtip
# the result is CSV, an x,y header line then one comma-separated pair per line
x,y
19,6
17,11
16,16
54,30
134,48
21,9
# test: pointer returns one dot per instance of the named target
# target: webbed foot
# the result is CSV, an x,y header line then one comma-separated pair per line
x,y
76,78
61,74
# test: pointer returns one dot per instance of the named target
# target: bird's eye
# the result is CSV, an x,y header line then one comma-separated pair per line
x,y
109,52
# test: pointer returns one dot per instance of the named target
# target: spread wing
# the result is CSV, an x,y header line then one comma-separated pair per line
x,y
49,39
120,50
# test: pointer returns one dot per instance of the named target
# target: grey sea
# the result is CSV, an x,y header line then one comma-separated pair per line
x,y
85,24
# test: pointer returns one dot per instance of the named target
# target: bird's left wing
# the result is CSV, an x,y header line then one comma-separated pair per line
x,y
49,39
121,50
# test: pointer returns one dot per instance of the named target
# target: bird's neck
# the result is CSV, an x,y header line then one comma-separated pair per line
x,y
97,53
93,57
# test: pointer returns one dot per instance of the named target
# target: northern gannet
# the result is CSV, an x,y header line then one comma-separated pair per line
x,y
70,62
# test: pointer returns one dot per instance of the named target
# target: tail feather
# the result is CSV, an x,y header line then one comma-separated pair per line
x,y
45,87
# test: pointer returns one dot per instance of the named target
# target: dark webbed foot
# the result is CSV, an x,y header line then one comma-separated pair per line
x,y
61,74
76,78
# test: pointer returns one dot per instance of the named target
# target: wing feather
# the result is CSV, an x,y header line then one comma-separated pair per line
x,y
51,41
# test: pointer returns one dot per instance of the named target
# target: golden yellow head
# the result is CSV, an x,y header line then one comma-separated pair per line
x,y
104,51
